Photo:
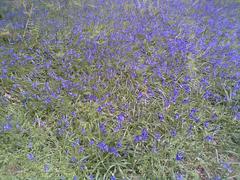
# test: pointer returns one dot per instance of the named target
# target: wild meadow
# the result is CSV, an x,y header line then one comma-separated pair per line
x,y
120,90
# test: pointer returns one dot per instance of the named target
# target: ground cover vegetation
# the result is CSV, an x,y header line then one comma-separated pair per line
x,y
95,89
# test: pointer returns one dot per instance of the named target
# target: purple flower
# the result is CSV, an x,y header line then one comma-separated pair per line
x,y
7,127
114,151
157,136
193,111
99,109
9,117
161,117
207,94
206,124
140,95
102,128
120,117
173,132
47,100
74,114
179,156
192,115
91,177
154,148
91,142
208,138
144,134
75,177
217,178
227,167
119,126
214,117
137,139
142,137
30,156
189,131
185,101
83,131
46,168
47,87
177,116
179,176
237,116
30,145
54,95
103,146
76,143
119,144
187,88
112,177
73,159
112,110
81,149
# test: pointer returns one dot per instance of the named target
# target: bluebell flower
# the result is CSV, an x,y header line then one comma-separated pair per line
x,y
120,117
193,116
217,178
112,110
118,127
47,87
214,116
9,117
83,131
99,109
173,132
73,159
75,177
30,145
237,116
91,177
207,94
227,167
157,136
102,128
54,95
30,156
74,114
47,100
46,168
114,151
144,134
134,75
179,176
206,124
119,144
179,156
177,116
186,88
185,101
76,143
161,117
137,139
112,177
7,127
154,147
103,146
208,138
91,142
81,149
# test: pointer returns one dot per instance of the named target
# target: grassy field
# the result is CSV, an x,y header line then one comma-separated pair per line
x,y
119,89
